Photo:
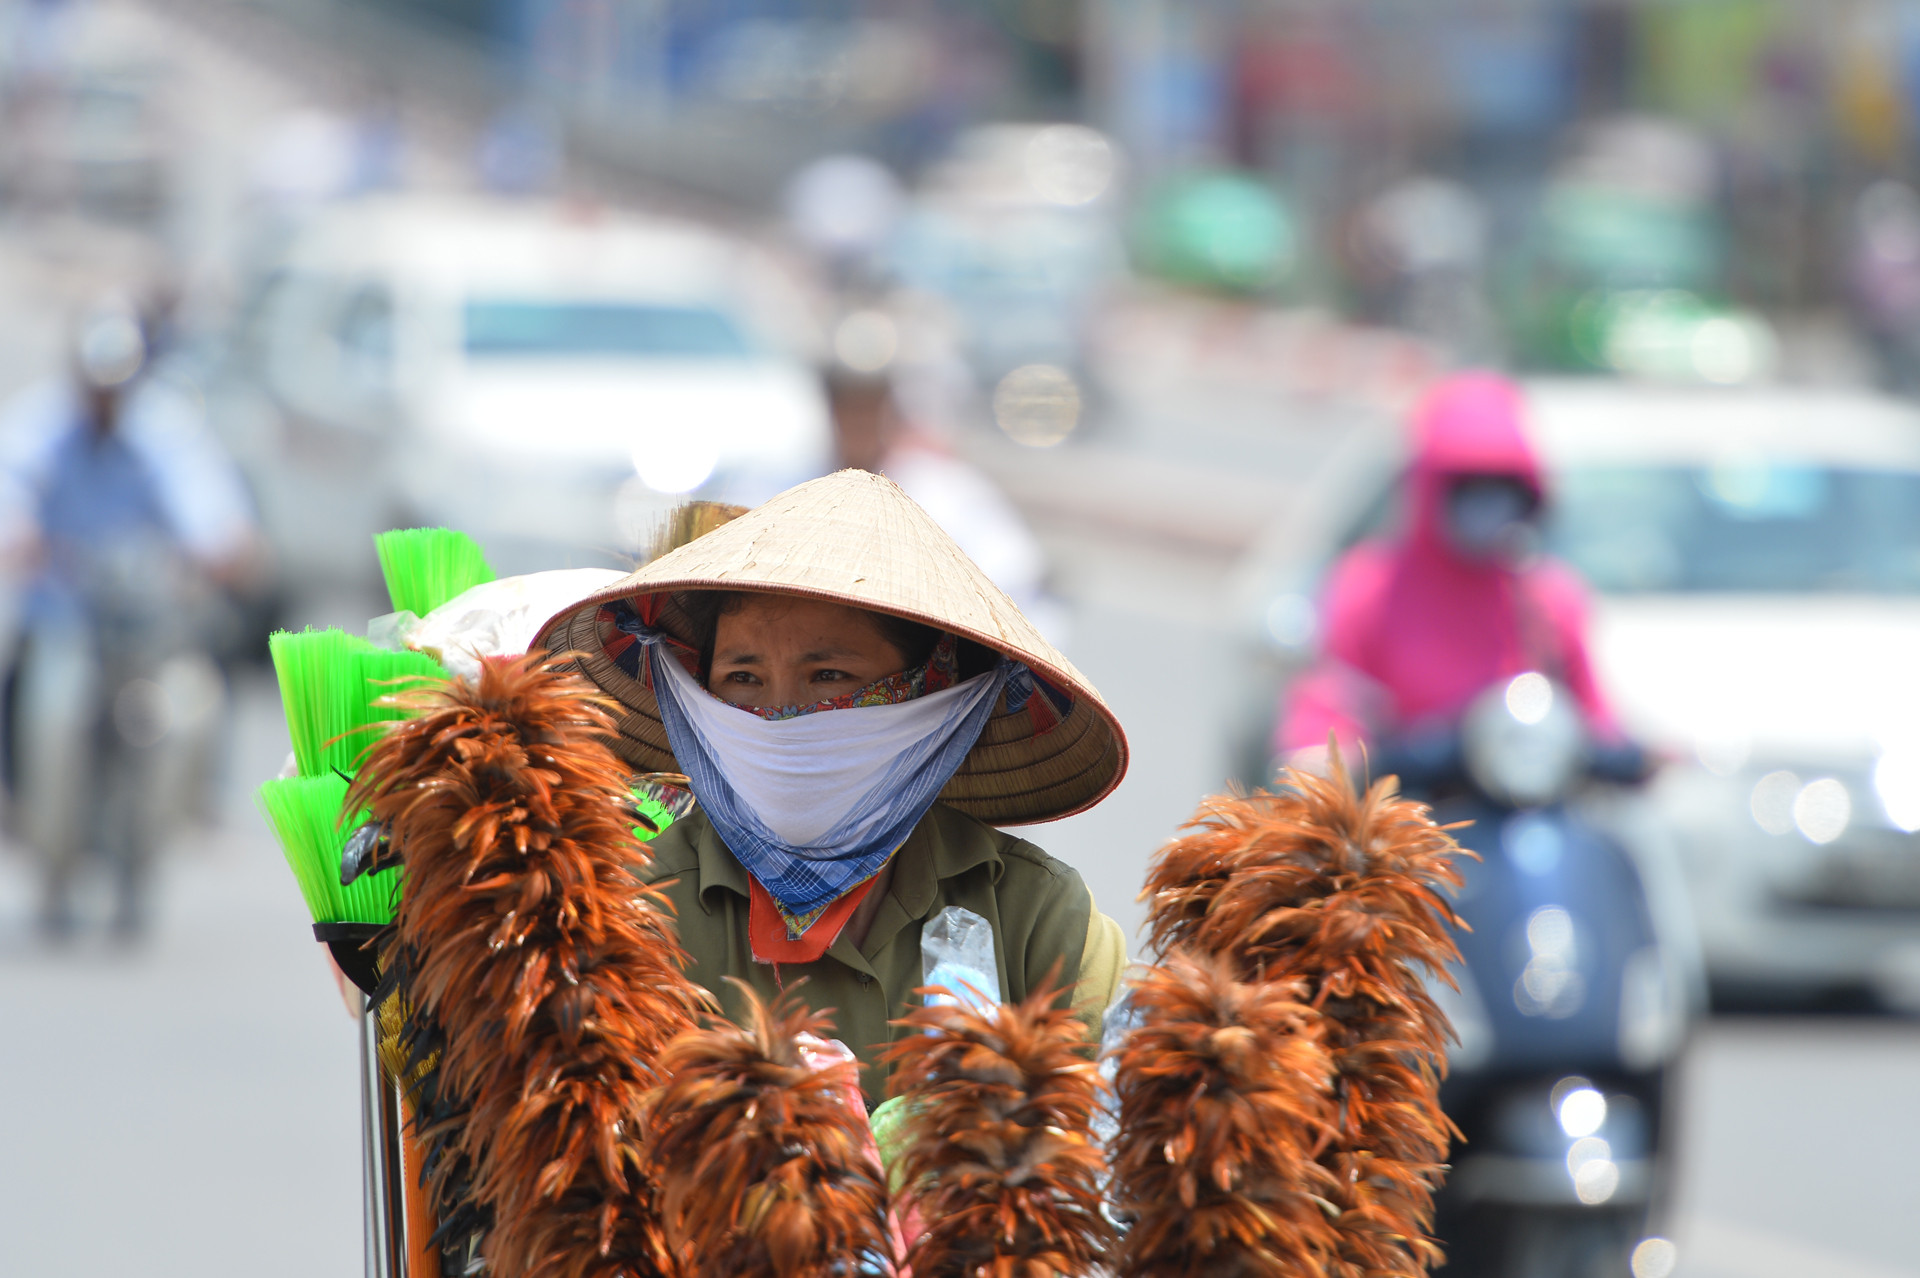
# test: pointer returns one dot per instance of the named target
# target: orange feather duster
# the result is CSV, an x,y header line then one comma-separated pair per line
x,y
1000,1159
1338,893
1223,1090
765,1168
548,976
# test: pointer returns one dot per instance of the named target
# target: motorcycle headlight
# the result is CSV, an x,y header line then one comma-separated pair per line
x,y
1523,742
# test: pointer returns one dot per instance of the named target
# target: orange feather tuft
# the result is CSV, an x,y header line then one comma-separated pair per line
x,y
1338,894
526,950
1224,1100
1000,1156
765,1169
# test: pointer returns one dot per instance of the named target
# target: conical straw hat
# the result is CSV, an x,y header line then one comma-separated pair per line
x,y
856,538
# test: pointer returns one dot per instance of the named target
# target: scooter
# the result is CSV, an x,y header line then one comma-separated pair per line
x,y
1576,986
112,714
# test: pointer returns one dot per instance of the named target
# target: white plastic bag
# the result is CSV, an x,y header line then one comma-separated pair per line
x,y
494,619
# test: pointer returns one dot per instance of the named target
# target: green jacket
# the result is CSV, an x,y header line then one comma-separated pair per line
x,y
1041,912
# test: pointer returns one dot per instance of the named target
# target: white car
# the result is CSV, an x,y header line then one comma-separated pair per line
x,y
1755,559
1756,555
545,379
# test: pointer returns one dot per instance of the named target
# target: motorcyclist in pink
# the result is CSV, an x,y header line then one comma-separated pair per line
x,y
1415,625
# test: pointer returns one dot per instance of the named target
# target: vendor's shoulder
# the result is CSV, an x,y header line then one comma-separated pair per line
x,y
675,851
1013,851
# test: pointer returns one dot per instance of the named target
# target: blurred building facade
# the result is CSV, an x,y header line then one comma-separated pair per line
x,y
1789,109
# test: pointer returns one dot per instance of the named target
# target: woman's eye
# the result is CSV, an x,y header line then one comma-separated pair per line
x,y
742,676
830,676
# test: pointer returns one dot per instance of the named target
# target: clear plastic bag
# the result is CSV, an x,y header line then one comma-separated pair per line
x,y
956,951
497,618
1120,1020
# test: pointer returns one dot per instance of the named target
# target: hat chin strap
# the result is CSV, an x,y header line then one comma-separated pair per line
x,y
815,804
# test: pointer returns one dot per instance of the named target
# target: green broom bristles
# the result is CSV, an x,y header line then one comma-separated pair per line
x,y
329,682
425,567
323,702
305,815
380,673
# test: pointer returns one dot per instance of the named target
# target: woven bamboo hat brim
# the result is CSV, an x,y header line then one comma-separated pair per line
x,y
856,538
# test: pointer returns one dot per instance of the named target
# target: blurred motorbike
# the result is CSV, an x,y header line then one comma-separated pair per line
x,y
112,700
114,716
1573,992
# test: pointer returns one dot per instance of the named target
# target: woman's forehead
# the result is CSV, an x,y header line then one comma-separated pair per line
x,y
764,611
767,603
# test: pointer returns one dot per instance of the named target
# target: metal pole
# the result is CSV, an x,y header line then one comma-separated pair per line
x,y
393,1176
373,1161
383,1204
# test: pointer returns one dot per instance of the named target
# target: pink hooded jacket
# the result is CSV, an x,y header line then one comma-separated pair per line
x,y
1411,630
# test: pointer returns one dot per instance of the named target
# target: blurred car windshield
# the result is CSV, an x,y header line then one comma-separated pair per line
x,y
1743,525
596,330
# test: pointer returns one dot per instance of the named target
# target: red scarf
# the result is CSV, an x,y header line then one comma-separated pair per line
x,y
767,926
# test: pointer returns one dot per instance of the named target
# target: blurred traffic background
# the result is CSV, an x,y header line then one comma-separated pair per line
x,y
1137,298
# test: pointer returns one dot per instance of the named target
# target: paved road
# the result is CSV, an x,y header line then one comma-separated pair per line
x,y
1800,1148
190,1108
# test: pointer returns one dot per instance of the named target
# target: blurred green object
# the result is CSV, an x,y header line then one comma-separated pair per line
x,y
892,1133
1669,334
305,813
1222,231
1629,240
425,567
655,812
324,703
661,801
1615,281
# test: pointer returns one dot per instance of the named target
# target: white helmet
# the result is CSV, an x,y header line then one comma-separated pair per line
x,y
109,347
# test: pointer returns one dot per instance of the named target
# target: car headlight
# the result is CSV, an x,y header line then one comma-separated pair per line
x,y
1820,809
1523,742
1896,779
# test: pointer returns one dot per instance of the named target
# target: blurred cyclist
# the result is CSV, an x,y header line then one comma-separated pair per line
x,y
1413,628
121,513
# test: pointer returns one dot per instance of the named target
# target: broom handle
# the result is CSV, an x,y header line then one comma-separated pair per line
x,y
394,1179
384,1204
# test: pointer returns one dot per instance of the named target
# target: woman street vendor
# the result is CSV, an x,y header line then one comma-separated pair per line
x,y
856,707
